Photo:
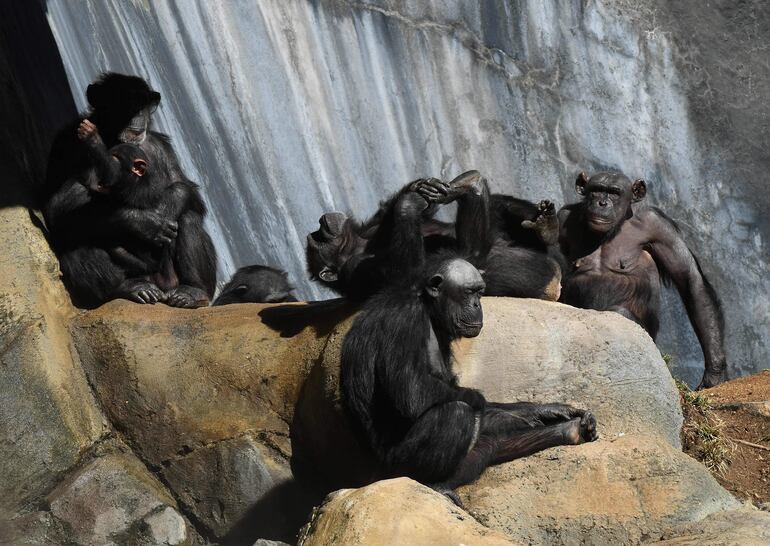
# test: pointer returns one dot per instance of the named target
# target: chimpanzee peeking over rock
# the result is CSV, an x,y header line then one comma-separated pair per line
x,y
618,251
397,382
256,284
126,223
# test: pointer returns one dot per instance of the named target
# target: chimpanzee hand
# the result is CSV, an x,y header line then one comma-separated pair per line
x,y
89,134
545,223
473,398
712,379
432,190
188,297
153,227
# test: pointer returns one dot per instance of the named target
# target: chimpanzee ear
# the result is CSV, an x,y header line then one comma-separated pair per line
x,y
638,189
241,289
139,167
580,183
434,285
327,274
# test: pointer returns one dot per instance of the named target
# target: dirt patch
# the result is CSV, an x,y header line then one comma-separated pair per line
x,y
728,429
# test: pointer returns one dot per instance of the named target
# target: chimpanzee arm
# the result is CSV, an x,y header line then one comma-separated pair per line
x,y
473,223
533,225
194,254
672,254
70,197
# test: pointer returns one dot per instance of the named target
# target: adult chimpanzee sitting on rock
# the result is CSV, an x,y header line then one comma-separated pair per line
x,y
617,251
256,284
99,260
83,225
397,382
351,257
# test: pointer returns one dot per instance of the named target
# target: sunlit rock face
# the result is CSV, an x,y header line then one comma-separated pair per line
x,y
283,110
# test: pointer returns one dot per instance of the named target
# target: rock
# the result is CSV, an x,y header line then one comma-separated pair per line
x,y
542,351
603,493
399,511
113,499
744,527
208,396
223,483
48,415
547,352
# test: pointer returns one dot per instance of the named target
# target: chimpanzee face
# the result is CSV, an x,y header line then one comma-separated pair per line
x,y
133,167
607,199
454,293
325,254
136,130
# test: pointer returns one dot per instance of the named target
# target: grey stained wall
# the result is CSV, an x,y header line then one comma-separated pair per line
x,y
285,109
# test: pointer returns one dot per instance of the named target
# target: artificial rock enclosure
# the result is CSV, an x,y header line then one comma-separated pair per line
x,y
150,425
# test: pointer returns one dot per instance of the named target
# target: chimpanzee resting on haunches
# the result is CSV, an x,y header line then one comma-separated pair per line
x,y
91,232
397,382
256,284
618,250
100,260
351,257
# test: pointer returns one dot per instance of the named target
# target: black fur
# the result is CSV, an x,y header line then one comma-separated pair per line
x,y
256,284
89,231
397,382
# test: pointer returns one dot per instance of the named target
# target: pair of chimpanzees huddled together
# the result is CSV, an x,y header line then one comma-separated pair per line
x,y
127,223
124,219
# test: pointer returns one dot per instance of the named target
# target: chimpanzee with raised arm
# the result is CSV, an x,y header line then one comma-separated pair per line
x,y
618,250
396,371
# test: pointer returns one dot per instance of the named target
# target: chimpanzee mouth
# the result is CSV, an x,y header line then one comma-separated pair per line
x,y
599,220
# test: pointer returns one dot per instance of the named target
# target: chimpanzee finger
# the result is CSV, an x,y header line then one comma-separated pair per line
x,y
527,224
437,185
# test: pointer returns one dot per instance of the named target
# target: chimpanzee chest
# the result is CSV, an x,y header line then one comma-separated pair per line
x,y
617,259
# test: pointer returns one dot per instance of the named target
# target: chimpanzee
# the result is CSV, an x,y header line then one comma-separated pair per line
x,y
618,250
256,284
85,227
348,256
397,382
102,261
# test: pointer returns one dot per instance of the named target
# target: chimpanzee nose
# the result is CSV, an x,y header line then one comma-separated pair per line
x,y
602,203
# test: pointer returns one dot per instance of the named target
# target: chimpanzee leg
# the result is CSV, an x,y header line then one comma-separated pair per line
x,y
502,438
522,273
195,263
93,278
538,414
436,443
90,275
472,225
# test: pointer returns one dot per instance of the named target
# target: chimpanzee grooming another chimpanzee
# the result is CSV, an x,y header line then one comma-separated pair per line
x,y
92,232
256,284
101,260
397,382
618,250
351,257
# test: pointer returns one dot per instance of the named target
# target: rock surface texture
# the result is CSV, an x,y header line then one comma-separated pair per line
x,y
147,425
286,110
360,517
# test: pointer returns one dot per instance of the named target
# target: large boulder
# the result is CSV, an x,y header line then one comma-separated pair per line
x,y
399,511
743,527
207,396
542,351
48,415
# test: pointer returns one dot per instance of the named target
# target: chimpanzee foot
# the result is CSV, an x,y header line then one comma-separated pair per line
x,y
581,429
140,292
188,297
451,494
467,182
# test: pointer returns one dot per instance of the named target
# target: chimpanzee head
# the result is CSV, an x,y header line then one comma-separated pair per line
x,y
328,248
607,199
122,106
134,165
454,295
256,284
